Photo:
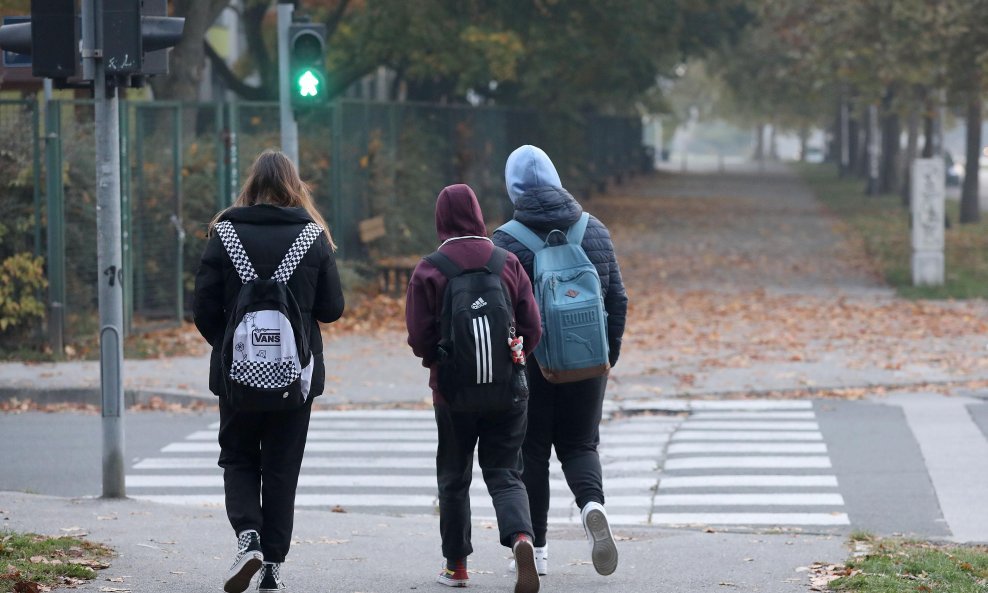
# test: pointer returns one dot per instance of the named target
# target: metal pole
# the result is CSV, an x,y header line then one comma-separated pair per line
x,y
56,230
177,219
110,265
289,128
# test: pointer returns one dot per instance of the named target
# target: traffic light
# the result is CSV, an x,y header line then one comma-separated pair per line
x,y
130,28
51,38
307,64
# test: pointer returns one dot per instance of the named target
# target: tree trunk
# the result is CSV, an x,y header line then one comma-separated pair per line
x,y
970,206
912,147
804,140
891,149
188,57
760,142
773,146
874,151
853,134
929,131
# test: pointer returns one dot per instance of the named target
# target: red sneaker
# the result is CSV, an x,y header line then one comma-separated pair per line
x,y
454,574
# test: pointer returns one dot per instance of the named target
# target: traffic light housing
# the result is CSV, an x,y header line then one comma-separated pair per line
x,y
131,29
307,64
51,38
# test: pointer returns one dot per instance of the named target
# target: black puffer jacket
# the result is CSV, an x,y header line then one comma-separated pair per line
x,y
543,209
267,232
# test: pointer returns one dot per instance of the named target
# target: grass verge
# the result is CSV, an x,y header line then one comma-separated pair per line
x,y
904,566
30,563
882,224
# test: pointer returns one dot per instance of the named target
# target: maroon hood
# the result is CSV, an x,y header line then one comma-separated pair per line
x,y
458,213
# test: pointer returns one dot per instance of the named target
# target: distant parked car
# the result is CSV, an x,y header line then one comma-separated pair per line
x,y
814,154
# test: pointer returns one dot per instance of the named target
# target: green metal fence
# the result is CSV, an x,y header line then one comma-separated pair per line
x,y
182,162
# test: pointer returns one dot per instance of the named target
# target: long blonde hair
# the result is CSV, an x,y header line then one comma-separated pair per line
x,y
273,179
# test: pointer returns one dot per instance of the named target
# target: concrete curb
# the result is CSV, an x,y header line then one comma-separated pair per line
x,y
91,396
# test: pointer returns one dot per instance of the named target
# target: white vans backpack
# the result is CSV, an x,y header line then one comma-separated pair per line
x,y
267,363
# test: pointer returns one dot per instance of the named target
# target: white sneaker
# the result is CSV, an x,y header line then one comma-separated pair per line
x,y
603,551
541,561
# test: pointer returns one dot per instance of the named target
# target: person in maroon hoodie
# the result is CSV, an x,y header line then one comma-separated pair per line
x,y
461,229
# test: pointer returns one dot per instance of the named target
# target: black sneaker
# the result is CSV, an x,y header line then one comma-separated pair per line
x,y
270,581
246,563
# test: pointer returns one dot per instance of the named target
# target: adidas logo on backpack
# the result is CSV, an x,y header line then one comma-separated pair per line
x,y
567,288
479,303
265,353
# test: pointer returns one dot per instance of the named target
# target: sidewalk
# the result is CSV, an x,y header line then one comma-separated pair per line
x,y
165,549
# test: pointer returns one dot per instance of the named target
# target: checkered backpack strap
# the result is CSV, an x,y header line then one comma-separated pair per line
x,y
231,241
301,245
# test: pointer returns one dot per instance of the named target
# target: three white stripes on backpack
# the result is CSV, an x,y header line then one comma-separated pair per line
x,y
482,345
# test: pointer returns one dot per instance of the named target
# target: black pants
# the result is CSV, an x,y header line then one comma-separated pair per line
x,y
261,455
566,416
500,436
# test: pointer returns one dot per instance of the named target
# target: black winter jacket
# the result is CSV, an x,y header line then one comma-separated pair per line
x,y
543,209
266,232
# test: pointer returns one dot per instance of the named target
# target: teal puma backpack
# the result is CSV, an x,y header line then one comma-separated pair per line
x,y
567,289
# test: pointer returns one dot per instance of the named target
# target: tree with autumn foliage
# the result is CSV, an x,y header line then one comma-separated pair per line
x,y
568,55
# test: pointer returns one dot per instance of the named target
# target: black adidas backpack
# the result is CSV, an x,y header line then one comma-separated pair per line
x,y
476,373
267,363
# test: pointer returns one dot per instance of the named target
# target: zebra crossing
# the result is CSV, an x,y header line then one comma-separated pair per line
x,y
727,463
383,461
752,463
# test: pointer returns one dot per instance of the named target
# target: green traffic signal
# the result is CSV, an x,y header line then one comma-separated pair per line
x,y
307,63
308,84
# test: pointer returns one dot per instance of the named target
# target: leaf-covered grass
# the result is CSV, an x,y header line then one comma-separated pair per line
x,y
902,566
28,560
882,224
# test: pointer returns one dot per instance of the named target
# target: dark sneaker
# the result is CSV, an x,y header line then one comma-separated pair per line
x,y
541,561
454,574
527,579
270,581
603,551
246,563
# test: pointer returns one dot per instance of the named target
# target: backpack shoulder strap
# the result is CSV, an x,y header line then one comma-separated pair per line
x,y
523,234
442,263
574,235
296,252
235,249
498,258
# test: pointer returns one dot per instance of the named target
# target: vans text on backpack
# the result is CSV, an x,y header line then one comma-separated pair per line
x,y
567,288
476,371
267,363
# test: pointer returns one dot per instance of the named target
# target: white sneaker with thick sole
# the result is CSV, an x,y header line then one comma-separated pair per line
x,y
541,561
603,551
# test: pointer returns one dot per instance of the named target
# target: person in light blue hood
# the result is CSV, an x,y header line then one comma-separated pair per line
x,y
564,415
527,167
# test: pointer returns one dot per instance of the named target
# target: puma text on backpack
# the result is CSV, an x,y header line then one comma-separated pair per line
x,y
267,364
476,322
567,289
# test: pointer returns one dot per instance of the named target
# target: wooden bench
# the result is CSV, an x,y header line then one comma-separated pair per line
x,y
393,273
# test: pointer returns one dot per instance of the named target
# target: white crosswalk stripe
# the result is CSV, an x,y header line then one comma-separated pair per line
x,y
756,464
384,461
748,463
